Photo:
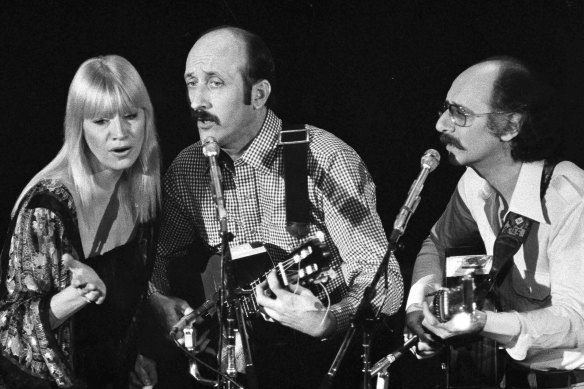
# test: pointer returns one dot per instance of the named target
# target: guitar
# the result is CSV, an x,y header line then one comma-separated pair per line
x,y
306,265
471,360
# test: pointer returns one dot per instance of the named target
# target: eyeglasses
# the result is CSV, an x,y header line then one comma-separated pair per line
x,y
461,118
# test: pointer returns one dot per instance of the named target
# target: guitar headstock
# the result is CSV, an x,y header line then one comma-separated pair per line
x,y
306,263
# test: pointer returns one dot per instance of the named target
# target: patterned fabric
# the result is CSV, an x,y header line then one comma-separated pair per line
x,y
342,205
103,348
35,273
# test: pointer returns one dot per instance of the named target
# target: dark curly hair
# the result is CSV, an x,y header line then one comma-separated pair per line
x,y
520,89
260,63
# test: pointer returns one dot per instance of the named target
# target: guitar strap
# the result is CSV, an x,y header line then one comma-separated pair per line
x,y
512,235
294,140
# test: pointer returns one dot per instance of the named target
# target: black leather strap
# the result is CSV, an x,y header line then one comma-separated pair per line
x,y
294,140
512,235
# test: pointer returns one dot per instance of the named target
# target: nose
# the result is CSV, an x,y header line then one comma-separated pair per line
x,y
119,127
444,122
199,97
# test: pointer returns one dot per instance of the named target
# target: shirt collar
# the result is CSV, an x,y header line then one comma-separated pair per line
x,y
526,199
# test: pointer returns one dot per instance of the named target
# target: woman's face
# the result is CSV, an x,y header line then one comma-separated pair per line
x,y
115,142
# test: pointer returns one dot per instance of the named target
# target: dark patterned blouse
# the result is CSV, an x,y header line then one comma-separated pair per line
x,y
95,347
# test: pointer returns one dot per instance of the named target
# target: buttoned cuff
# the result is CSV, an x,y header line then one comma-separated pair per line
x,y
343,314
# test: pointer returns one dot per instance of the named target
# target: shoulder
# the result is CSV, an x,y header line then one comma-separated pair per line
x,y
49,193
325,146
188,159
567,183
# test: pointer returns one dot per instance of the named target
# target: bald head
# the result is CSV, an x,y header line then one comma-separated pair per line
x,y
505,84
476,84
252,56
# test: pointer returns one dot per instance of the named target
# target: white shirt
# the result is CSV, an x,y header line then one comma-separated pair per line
x,y
543,294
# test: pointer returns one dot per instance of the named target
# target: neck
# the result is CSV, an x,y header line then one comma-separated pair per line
x,y
106,180
241,144
502,176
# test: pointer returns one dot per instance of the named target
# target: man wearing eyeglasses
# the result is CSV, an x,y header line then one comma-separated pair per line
x,y
499,121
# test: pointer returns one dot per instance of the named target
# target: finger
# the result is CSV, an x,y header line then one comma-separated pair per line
x,y
95,296
203,345
272,314
77,282
134,381
141,372
298,289
262,299
69,261
182,307
91,296
98,288
187,311
429,318
152,372
274,284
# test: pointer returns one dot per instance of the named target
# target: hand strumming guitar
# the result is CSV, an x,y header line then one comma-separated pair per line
x,y
295,307
427,345
460,326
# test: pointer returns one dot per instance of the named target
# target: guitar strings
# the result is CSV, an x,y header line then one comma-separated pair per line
x,y
328,304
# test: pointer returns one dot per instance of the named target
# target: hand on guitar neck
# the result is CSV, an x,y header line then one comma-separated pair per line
x,y
291,303
295,306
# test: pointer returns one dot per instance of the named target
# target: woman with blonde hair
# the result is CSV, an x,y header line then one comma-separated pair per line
x,y
77,259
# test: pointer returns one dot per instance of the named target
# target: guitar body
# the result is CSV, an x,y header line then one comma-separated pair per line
x,y
305,265
472,361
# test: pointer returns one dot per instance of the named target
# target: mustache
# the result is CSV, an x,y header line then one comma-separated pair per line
x,y
202,115
447,139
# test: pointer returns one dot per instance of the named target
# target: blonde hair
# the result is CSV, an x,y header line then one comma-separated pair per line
x,y
103,87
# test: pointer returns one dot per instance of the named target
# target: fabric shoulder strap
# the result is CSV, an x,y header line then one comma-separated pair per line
x,y
512,235
294,141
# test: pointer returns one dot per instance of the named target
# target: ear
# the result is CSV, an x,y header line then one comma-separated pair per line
x,y
260,93
513,127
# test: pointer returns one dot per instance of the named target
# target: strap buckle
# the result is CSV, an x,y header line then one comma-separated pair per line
x,y
293,137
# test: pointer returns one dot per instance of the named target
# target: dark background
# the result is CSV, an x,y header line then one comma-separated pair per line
x,y
372,72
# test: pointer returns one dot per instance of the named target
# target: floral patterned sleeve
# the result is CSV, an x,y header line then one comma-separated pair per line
x,y
34,274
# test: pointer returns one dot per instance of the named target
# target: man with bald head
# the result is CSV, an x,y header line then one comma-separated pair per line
x,y
228,76
498,121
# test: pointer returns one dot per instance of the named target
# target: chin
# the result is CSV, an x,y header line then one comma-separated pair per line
x,y
453,160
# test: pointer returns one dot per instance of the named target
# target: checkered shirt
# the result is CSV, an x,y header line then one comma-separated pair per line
x,y
342,206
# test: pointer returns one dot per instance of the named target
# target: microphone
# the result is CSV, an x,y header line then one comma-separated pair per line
x,y
429,162
211,150
391,358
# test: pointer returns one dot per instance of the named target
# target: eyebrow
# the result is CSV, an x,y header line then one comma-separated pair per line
x,y
462,107
207,75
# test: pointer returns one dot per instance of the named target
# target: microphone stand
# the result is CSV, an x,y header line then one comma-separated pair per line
x,y
364,317
363,320
230,315
231,319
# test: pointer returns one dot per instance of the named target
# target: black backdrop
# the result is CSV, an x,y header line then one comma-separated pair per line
x,y
372,72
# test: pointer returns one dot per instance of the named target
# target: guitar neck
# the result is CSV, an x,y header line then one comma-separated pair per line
x,y
302,266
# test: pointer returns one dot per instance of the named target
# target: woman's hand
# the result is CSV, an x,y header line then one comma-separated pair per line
x,y
85,280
